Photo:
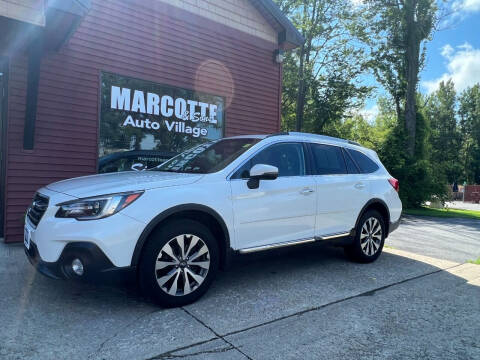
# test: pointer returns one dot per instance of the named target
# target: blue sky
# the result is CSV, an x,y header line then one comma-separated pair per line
x,y
453,53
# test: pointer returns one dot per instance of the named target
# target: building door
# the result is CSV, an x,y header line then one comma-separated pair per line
x,y
3,138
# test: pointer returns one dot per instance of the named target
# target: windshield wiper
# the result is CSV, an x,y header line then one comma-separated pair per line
x,y
164,170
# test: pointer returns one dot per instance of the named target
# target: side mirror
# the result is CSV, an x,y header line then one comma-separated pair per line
x,y
261,172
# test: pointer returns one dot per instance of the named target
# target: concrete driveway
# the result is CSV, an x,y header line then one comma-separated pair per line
x,y
297,303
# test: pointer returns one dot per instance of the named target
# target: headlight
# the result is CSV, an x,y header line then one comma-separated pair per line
x,y
97,207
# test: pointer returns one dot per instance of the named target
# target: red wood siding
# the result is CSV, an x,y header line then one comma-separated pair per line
x,y
472,192
143,39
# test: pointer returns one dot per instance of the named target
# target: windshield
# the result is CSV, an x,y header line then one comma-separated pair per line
x,y
209,157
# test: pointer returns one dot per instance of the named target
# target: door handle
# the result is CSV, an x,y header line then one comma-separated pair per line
x,y
306,191
359,186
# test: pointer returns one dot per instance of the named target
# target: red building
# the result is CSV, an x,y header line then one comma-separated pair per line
x,y
77,75
472,193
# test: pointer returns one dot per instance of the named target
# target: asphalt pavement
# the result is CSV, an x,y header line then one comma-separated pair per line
x,y
418,301
454,239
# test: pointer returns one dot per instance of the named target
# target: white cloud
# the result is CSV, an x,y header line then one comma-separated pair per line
x,y
447,51
466,5
371,113
463,67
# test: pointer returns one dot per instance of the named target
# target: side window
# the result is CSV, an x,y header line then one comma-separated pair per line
x,y
365,164
328,159
287,157
351,167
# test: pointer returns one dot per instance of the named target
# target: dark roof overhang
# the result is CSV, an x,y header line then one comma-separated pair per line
x,y
75,7
288,35
62,19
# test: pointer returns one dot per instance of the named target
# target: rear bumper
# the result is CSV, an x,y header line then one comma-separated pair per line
x,y
95,263
394,225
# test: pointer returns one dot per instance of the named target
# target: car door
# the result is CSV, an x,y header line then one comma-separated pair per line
x,y
279,210
340,189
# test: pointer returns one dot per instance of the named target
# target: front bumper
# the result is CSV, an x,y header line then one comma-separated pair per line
x,y
95,263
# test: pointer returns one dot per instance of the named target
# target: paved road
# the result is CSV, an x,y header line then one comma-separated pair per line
x,y
297,303
453,239
463,205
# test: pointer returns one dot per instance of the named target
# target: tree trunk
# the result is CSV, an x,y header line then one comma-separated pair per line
x,y
301,92
305,51
398,107
413,52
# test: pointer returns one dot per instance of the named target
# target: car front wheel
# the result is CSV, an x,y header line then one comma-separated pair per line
x,y
178,263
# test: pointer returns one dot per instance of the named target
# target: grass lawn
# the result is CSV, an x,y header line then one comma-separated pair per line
x,y
451,213
477,262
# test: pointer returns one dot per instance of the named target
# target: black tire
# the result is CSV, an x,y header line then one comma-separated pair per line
x,y
156,243
355,251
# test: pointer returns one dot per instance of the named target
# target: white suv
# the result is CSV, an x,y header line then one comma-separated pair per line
x,y
176,224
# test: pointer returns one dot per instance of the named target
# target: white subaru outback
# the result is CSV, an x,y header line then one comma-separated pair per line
x,y
177,224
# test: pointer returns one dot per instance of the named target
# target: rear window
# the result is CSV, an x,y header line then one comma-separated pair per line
x,y
328,159
351,167
365,164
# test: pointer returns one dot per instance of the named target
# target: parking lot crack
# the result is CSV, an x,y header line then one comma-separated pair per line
x,y
217,334
229,346
371,292
102,344
172,355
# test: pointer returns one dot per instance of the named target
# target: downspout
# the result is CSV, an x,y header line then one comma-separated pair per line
x,y
33,78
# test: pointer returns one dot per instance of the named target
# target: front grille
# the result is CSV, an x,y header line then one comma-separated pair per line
x,y
37,209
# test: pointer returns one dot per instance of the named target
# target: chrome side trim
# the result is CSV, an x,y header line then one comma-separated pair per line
x,y
274,246
333,236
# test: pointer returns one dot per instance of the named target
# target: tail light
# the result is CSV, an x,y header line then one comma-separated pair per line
x,y
395,183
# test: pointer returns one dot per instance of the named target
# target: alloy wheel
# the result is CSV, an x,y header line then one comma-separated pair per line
x,y
182,265
371,236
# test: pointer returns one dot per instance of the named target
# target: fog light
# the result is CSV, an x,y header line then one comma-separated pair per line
x,y
77,267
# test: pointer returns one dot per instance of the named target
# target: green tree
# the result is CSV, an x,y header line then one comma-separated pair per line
x,y
419,181
320,77
444,135
469,112
396,31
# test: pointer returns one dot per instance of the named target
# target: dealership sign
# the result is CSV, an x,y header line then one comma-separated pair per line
x,y
145,117
181,109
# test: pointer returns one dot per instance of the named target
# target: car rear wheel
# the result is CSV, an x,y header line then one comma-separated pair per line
x,y
369,238
178,263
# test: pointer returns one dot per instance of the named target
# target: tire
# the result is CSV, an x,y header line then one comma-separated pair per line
x,y
369,238
170,278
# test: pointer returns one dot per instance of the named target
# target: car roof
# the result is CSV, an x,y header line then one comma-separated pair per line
x,y
307,137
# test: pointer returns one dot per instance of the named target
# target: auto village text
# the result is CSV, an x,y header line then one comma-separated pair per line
x,y
167,106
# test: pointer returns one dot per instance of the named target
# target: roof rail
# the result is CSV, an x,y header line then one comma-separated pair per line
x,y
316,136
324,137
279,134
355,143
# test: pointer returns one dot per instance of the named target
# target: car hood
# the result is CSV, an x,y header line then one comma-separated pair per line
x,y
94,185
